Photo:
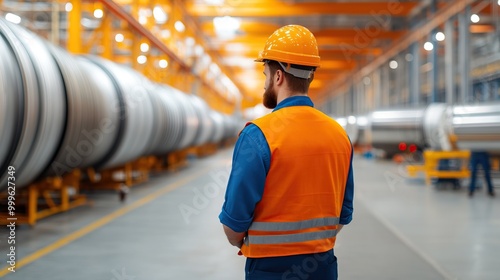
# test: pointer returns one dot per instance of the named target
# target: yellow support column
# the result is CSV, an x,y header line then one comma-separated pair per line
x,y
107,37
32,204
75,28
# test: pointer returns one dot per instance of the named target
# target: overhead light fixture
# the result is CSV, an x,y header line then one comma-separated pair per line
x,y
474,18
190,42
409,57
440,36
179,26
226,26
119,37
98,13
144,47
163,63
68,7
215,2
393,64
143,15
428,46
198,50
160,15
13,18
142,59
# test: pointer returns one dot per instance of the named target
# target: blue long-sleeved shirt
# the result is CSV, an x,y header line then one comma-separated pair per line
x,y
251,162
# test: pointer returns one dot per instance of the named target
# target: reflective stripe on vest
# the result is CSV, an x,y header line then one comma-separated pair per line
x,y
289,226
284,226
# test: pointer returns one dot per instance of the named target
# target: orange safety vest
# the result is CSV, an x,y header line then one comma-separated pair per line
x,y
304,189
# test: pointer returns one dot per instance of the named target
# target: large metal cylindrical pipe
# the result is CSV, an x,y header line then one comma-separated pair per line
x,y
389,128
477,127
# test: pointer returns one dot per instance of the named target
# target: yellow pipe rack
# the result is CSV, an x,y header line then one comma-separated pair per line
x,y
431,164
47,197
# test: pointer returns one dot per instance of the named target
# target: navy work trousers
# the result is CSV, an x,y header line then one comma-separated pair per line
x,y
318,266
483,159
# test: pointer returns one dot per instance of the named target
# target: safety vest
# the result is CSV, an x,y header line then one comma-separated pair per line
x,y
304,189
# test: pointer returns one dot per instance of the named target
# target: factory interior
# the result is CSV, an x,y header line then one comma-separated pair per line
x,y
119,120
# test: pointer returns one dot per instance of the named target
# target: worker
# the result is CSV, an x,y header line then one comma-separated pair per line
x,y
480,158
291,186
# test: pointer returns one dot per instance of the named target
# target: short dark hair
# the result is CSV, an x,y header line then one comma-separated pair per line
x,y
295,84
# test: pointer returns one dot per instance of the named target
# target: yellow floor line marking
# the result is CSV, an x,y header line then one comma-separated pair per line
x,y
101,222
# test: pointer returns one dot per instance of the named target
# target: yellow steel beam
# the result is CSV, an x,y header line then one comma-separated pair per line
x,y
481,28
325,54
119,12
358,32
75,28
336,53
274,8
337,64
261,29
487,10
259,41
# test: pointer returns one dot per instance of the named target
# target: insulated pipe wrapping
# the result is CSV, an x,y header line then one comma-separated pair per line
x,y
91,127
477,127
44,105
437,127
206,128
218,121
11,103
190,121
388,128
136,113
175,127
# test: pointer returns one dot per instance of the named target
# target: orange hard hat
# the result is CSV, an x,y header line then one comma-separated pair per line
x,y
292,44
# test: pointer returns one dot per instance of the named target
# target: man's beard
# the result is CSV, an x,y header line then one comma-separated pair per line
x,y
270,97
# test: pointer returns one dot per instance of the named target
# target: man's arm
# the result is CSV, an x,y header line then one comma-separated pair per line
x,y
235,238
347,207
251,160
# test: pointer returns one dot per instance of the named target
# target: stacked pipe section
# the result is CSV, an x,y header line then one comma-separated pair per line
x,y
477,127
437,126
59,112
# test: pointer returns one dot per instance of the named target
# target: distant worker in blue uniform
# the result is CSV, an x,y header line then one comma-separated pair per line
x,y
291,186
480,158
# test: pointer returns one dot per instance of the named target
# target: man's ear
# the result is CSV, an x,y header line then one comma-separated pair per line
x,y
279,77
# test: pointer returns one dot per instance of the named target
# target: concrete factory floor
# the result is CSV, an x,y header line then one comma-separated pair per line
x,y
168,229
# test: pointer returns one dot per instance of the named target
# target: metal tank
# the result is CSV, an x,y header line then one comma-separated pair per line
x,y
218,121
41,109
389,128
206,129
92,121
477,127
136,113
190,121
11,104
